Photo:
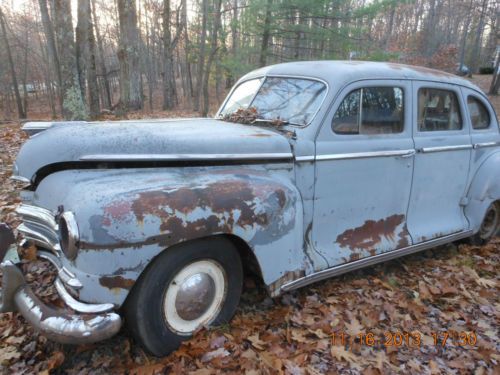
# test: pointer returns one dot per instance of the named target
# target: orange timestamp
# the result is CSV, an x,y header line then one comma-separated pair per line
x,y
409,339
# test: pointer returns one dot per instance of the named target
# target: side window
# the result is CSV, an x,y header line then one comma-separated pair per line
x,y
479,116
438,110
370,110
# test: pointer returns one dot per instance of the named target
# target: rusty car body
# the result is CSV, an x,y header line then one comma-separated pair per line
x,y
384,160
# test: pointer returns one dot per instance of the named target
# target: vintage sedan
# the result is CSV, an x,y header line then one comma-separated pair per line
x,y
308,170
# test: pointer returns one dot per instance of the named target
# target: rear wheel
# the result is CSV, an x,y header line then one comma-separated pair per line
x,y
185,288
489,227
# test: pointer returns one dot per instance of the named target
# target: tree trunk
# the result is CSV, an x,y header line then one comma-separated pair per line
x,y
495,82
128,56
464,36
86,56
201,56
189,79
106,98
211,56
168,101
476,49
51,47
73,103
20,110
265,35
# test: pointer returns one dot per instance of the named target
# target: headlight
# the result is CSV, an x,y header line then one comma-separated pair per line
x,y
69,236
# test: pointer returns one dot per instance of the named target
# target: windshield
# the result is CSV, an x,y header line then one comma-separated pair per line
x,y
277,99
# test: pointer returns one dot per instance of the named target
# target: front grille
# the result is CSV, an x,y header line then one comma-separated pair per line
x,y
39,226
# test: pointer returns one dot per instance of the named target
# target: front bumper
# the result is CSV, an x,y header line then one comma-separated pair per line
x,y
61,325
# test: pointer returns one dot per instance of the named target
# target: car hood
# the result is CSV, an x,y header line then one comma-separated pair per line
x,y
143,141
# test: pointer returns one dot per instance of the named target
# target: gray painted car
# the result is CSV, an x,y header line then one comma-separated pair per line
x,y
308,170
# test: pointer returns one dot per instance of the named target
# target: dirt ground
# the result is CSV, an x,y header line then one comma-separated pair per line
x,y
447,297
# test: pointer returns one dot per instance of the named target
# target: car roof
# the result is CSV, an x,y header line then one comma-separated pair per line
x,y
339,73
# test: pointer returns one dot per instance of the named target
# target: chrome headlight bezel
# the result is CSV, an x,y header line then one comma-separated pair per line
x,y
69,235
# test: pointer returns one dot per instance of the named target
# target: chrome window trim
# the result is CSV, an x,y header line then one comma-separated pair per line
x,y
363,155
371,260
485,144
217,115
189,157
444,148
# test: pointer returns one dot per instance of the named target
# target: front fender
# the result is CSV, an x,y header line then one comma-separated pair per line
x,y
484,189
127,217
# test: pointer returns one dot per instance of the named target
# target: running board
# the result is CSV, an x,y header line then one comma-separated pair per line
x,y
369,261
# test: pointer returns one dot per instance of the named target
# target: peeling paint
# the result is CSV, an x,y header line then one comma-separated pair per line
x,y
113,282
371,233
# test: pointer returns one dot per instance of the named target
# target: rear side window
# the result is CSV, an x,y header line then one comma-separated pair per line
x,y
370,110
479,116
438,110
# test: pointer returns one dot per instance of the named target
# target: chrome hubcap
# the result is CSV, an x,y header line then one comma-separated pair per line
x,y
195,296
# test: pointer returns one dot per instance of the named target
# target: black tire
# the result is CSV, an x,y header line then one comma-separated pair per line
x,y
489,227
146,306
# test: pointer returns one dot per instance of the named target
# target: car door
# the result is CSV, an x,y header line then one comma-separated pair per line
x,y
363,170
443,145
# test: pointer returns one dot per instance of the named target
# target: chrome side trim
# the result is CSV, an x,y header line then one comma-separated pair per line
x,y
369,261
189,157
444,148
301,159
80,306
369,154
485,144
38,214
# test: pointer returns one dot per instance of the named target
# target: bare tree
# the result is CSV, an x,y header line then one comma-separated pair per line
x,y
266,34
106,97
128,56
211,56
51,47
201,56
169,45
73,104
86,52
20,109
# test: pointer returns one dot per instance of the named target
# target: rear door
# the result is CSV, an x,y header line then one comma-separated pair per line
x,y
443,145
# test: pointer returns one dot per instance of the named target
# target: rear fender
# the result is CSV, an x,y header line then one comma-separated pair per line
x,y
484,189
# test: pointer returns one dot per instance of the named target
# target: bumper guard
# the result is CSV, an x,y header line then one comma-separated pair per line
x,y
57,324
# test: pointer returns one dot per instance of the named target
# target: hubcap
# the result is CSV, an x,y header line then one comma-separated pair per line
x,y
195,296
490,222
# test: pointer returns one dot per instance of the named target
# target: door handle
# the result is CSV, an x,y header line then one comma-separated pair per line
x,y
409,154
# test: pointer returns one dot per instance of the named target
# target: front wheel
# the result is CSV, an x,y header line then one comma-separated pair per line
x,y
185,288
489,227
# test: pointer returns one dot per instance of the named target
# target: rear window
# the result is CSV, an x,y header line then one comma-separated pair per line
x,y
438,110
479,116
370,110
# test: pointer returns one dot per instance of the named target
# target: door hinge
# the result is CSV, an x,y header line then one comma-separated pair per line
x,y
464,201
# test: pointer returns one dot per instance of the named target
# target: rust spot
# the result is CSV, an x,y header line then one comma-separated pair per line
x,y
403,237
117,209
371,233
112,282
275,286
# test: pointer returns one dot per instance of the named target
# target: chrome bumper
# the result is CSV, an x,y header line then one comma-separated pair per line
x,y
94,323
